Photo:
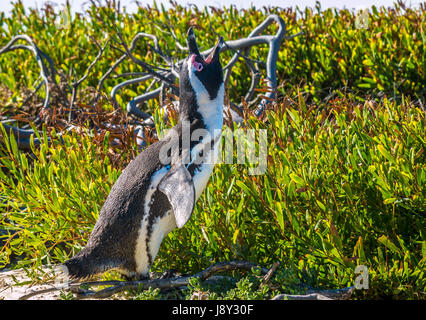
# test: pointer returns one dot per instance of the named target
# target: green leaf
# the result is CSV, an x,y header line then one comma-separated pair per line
x,y
279,215
346,186
389,200
234,237
298,180
389,244
385,153
268,190
243,186
321,205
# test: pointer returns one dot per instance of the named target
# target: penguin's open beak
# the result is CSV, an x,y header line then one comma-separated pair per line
x,y
193,48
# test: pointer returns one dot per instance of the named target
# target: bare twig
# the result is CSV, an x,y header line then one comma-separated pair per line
x,y
126,83
269,275
105,76
178,44
274,43
119,286
45,73
129,74
77,83
165,77
143,64
339,294
312,296
131,106
174,282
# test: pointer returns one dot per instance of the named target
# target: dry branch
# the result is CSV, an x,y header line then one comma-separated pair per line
x,y
116,286
241,47
269,275
77,83
46,74
164,78
339,294
169,283
120,286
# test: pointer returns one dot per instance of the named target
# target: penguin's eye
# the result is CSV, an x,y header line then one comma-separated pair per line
x,y
197,65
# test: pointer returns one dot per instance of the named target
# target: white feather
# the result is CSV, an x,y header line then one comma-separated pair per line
x,y
210,110
141,252
212,113
161,228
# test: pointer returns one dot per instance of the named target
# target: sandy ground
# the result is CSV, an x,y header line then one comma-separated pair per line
x,y
16,285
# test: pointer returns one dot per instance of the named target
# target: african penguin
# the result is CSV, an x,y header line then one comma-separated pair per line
x,y
152,196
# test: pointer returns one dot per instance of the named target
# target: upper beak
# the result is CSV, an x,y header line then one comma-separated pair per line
x,y
214,54
192,43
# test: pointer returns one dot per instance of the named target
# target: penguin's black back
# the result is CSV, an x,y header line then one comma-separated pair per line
x,y
112,242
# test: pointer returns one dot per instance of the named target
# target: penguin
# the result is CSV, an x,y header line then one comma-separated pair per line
x,y
152,197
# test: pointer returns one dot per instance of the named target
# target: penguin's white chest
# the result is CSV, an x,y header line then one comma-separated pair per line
x,y
201,178
148,244
211,111
203,172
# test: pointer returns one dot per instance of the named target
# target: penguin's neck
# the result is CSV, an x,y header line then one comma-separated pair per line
x,y
211,110
197,104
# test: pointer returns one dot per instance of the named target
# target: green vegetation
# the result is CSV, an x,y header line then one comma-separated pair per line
x,y
346,177
332,57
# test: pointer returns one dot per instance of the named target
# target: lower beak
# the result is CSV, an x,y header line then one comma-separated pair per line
x,y
214,54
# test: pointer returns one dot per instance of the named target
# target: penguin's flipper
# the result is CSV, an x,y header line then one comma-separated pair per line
x,y
179,188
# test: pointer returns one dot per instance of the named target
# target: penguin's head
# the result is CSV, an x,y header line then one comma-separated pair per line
x,y
202,75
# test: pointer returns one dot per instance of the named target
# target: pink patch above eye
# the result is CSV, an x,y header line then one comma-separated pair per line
x,y
198,66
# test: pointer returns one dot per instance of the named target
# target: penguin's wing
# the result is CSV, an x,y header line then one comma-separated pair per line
x,y
179,188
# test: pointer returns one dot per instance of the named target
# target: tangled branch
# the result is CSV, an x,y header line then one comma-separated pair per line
x,y
77,83
45,74
83,290
162,78
117,286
